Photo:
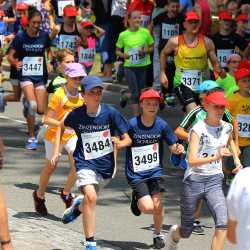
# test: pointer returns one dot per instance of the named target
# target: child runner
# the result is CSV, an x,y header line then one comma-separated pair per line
x,y
239,106
65,99
95,124
144,165
209,141
86,51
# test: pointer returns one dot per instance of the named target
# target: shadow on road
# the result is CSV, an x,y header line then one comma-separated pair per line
x,y
34,215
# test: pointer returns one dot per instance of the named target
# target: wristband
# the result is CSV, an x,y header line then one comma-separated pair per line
x,y
5,242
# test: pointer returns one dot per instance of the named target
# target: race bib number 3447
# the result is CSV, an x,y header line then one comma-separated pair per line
x,y
32,66
97,144
145,157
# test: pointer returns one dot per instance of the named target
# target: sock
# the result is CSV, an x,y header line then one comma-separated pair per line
x,y
92,239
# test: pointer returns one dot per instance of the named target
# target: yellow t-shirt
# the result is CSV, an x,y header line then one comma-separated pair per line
x,y
239,107
62,103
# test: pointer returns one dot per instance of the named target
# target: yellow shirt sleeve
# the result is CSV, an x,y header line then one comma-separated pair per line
x,y
55,101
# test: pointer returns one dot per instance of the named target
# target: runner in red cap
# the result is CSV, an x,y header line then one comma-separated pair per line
x,y
209,142
144,166
192,51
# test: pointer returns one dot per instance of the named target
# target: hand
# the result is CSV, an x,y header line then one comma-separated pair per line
x,y
18,65
164,80
223,152
142,52
237,168
56,28
223,74
125,56
50,67
54,159
177,149
117,142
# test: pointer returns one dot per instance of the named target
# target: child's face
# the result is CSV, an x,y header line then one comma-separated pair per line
x,y
173,8
244,84
214,111
67,59
21,13
87,31
150,106
93,97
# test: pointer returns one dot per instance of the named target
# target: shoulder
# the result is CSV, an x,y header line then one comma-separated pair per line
x,y
199,126
133,122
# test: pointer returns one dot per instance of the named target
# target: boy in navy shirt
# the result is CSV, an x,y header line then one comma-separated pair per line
x,y
95,125
144,161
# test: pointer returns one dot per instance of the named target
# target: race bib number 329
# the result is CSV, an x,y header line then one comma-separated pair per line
x,y
97,144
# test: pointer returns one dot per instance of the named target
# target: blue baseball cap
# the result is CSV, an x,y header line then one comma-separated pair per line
x,y
206,86
90,82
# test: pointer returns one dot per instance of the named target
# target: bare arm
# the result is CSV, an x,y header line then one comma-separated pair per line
x,y
12,60
181,133
121,54
99,31
231,231
125,141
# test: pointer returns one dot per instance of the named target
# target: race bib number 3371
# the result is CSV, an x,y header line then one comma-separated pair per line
x,y
96,144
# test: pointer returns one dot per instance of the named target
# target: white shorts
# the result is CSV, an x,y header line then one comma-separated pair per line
x,y
89,177
69,147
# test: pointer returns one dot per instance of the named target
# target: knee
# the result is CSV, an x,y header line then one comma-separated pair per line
x,y
90,199
146,207
49,168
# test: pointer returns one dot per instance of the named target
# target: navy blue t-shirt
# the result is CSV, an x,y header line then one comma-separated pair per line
x,y
94,146
32,47
144,156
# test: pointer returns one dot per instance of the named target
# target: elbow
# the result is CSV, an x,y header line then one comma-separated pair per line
x,y
191,162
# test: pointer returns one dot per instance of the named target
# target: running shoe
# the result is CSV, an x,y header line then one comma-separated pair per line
x,y
198,228
73,211
133,205
90,245
39,204
2,103
158,241
170,243
32,144
123,99
67,199
120,73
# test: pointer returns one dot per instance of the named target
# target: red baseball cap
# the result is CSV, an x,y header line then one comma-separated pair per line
x,y
242,73
225,15
217,98
150,93
22,6
242,17
85,24
191,15
69,11
244,64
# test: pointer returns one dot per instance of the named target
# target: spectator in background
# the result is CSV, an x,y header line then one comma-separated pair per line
x,y
238,202
186,5
232,7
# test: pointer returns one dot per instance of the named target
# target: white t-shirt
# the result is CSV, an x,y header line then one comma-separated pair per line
x,y
211,140
238,200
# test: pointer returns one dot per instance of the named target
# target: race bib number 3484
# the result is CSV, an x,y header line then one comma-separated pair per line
x,y
145,157
32,66
97,144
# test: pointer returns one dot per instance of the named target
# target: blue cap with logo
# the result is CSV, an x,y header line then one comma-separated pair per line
x,y
207,86
90,82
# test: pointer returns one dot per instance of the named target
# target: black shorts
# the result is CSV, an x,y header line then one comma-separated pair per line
x,y
149,187
186,95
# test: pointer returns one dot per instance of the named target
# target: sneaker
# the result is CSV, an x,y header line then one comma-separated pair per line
x,y
170,100
67,199
2,103
73,211
198,228
158,241
90,245
133,205
120,73
123,99
170,243
32,144
39,204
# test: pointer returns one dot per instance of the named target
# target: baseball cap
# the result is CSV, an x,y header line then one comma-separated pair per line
x,y
217,98
22,6
85,24
206,86
242,73
191,15
90,82
244,64
225,15
241,17
69,11
150,93
74,70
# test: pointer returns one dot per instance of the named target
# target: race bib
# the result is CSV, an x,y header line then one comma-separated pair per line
x,y
62,4
67,42
244,125
169,30
145,21
96,144
145,157
32,66
87,55
191,78
210,152
222,55
134,57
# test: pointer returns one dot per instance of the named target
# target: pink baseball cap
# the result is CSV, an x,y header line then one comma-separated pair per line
x,y
74,70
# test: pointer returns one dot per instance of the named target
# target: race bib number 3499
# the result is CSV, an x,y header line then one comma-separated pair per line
x,y
97,144
32,66
145,157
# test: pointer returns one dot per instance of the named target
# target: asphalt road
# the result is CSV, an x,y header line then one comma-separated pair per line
x,y
117,228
